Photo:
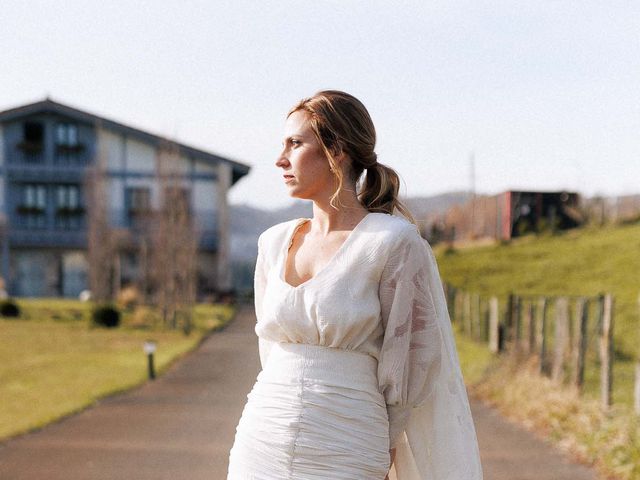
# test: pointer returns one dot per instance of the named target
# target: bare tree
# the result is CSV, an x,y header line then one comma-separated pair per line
x,y
100,245
174,242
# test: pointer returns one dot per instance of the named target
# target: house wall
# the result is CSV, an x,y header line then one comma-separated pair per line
x,y
2,177
34,273
205,196
113,149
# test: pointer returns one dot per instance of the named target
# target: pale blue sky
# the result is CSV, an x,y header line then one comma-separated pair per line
x,y
545,93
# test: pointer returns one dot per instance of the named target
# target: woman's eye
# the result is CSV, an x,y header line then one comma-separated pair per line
x,y
296,142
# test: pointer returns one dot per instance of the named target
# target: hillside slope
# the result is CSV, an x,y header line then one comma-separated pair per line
x,y
578,262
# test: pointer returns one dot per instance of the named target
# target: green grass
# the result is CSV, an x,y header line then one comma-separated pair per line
x,y
53,362
578,262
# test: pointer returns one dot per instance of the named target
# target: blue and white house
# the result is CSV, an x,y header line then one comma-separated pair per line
x,y
45,148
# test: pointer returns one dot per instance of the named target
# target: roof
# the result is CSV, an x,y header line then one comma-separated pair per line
x,y
49,106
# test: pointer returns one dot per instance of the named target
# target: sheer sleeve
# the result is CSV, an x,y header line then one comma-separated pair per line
x,y
411,347
259,286
430,422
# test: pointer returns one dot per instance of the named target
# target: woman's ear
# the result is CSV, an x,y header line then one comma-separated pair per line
x,y
338,153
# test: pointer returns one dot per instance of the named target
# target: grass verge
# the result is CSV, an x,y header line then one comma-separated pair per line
x,y
609,441
53,363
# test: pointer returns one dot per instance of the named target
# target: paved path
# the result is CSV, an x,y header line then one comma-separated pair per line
x,y
181,426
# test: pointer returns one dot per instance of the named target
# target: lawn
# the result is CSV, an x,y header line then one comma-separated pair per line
x,y
53,362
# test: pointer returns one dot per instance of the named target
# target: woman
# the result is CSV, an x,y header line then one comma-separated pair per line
x,y
360,377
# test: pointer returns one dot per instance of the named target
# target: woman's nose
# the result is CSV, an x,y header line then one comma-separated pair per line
x,y
281,160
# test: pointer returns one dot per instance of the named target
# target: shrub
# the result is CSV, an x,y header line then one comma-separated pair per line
x,y
105,316
129,297
8,308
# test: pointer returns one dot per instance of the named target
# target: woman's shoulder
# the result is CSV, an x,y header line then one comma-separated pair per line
x,y
393,229
276,234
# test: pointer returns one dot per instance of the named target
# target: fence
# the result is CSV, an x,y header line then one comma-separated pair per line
x,y
565,334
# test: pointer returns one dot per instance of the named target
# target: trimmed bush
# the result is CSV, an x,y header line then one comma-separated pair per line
x,y
105,316
8,308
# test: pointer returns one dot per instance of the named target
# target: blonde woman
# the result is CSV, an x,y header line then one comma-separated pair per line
x,y
360,376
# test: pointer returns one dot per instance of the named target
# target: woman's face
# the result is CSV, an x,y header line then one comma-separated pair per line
x,y
305,169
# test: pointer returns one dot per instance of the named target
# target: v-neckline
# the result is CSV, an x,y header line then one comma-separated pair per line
x,y
338,252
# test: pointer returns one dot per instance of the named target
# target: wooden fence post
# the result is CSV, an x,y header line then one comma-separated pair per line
x,y
517,317
527,330
606,351
636,389
476,317
494,345
541,333
448,289
561,338
508,322
579,343
485,321
457,310
467,313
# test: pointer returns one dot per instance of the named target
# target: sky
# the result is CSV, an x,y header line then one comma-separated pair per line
x,y
542,95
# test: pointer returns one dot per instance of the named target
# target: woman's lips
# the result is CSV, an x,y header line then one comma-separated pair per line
x,y
287,178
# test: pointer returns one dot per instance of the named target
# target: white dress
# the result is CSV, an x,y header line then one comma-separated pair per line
x,y
355,361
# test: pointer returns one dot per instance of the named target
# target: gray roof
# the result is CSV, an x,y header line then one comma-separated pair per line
x,y
49,106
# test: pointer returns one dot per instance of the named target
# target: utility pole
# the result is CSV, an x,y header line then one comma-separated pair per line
x,y
472,168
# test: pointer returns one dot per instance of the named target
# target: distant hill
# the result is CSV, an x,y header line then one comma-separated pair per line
x,y
248,222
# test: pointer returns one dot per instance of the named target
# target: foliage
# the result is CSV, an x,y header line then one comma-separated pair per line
x,y
105,316
129,297
608,440
9,308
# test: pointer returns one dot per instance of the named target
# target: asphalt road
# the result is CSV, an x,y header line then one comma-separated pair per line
x,y
181,426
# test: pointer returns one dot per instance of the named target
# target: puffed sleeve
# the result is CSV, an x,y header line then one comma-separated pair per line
x,y
259,286
411,347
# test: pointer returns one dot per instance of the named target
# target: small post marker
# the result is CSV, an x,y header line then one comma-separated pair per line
x,y
149,349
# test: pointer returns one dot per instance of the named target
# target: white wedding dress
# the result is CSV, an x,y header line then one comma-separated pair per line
x,y
356,360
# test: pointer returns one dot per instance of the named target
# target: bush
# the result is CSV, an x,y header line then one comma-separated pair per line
x,y
8,308
105,316
129,297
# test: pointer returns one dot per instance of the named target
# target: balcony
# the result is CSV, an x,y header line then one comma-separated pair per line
x,y
23,237
25,172
30,152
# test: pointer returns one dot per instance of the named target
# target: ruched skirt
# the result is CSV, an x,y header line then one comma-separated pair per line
x,y
314,412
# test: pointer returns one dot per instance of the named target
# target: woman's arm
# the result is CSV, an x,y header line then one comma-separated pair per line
x,y
392,452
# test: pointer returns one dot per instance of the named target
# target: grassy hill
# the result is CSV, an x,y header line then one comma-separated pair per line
x,y
578,262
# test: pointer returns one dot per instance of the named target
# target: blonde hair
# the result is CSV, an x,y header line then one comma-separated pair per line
x,y
341,123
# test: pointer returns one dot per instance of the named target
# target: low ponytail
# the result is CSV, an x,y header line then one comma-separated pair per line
x,y
380,191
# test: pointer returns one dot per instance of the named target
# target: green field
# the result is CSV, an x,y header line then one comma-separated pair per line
x,y
586,261
53,362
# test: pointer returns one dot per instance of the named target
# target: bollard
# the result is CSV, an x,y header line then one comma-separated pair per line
x,y
149,349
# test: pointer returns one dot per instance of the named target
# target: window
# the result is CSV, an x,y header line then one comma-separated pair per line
x,y
32,143
69,212
34,196
177,198
139,198
138,201
67,134
32,207
67,196
33,133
